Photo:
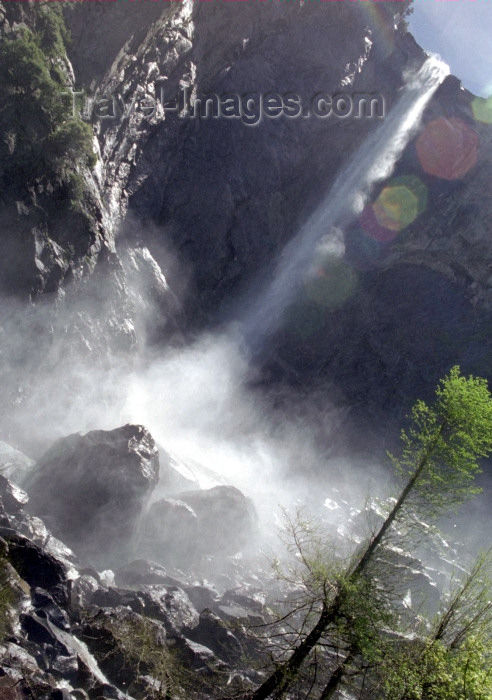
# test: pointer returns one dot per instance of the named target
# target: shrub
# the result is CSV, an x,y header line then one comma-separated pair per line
x,y
40,138
7,598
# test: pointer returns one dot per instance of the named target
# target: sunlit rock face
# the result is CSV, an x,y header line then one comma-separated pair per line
x,y
13,464
92,488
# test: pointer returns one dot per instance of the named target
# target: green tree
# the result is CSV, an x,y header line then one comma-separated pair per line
x,y
40,138
439,460
453,659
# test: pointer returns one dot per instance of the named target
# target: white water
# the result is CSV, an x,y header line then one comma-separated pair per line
x,y
372,162
195,401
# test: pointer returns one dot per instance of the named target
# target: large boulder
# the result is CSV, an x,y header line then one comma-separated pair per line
x,y
167,604
91,489
226,519
216,521
169,533
213,633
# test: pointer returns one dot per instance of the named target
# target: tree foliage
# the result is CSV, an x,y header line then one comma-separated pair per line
x,y
40,137
447,439
349,613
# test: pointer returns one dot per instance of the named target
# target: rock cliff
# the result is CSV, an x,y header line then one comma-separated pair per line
x,y
179,216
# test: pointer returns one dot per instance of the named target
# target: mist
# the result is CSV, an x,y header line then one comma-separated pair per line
x,y
198,396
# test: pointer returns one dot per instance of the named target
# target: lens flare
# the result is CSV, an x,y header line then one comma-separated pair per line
x,y
332,284
400,202
482,109
372,228
447,148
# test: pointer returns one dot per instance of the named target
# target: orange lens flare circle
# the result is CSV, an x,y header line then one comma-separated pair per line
x,y
447,148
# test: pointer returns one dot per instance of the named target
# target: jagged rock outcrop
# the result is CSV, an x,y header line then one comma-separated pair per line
x,y
68,632
14,465
212,632
224,221
65,634
212,202
106,478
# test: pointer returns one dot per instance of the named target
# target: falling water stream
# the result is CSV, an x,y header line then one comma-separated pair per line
x,y
372,162
196,401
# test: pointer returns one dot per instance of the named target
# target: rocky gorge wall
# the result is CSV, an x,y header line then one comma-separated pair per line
x,y
121,270
180,216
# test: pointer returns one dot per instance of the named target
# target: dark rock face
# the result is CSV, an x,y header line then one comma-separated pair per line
x,y
225,222
213,633
92,488
375,360
140,642
147,639
37,567
226,519
169,532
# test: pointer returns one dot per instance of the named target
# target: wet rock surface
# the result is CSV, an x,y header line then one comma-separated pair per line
x,y
75,632
225,198
14,464
106,478
71,635
38,567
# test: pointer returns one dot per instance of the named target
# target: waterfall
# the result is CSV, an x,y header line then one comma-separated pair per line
x,y
373,161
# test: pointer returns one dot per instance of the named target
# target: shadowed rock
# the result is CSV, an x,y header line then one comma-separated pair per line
x,y
226,519
212,632
91,488
169,532
37,567
216,521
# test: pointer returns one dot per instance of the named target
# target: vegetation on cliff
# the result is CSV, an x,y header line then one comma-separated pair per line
x,y
42,141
